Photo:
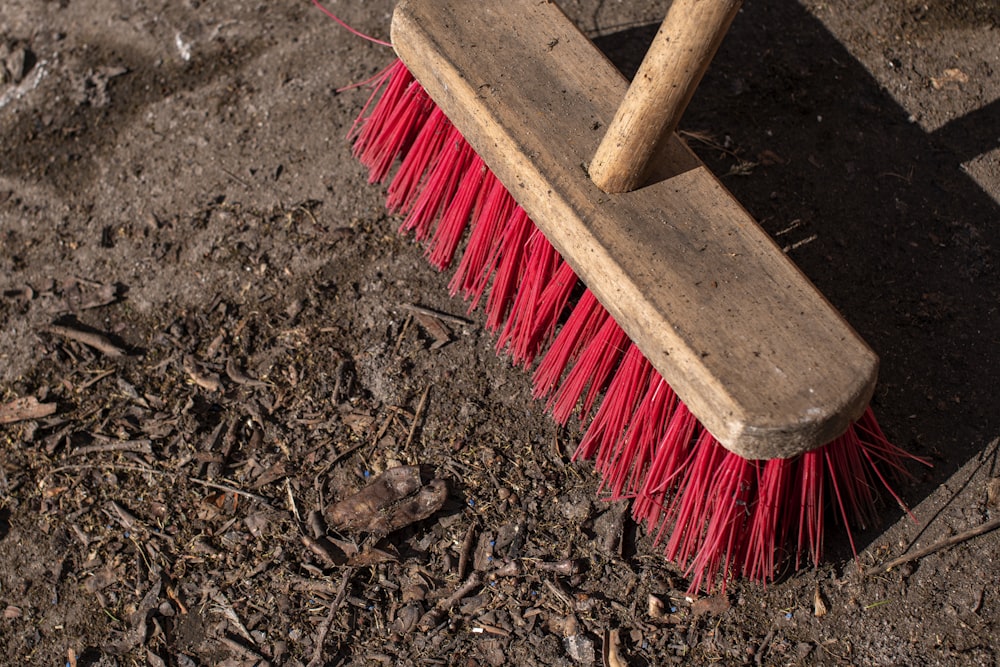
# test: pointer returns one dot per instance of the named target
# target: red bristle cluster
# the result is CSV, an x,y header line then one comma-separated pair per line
x,y
717,514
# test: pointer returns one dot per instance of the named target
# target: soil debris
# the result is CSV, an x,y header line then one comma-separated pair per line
x,y
22,409
395,499
93,339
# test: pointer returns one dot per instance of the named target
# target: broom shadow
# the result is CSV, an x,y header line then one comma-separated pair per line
x,y
874,209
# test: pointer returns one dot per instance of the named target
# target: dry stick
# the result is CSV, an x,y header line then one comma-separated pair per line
x,y
432,617
467,544
291,500
324,629
437,313
143,446
991,450
97,341
236,374
111,466
94,380
231,489
947,542
416,416
245,651
22,409
402,332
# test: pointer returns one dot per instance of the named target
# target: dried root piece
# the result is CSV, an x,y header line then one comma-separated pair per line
x,y
21,409
396,499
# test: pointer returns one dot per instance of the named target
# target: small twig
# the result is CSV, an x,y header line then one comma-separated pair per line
x,y
236,374
794,246
130,522
344,454
317,658
291,500
794,224
991,450
322,548
230,489
402,333
110,466
566,567
762,649
21,409
437,313
937,546
433,617
94,380
143,446
417,416
314,585
125,518
562,595
467,544
99,342
245,651
201,377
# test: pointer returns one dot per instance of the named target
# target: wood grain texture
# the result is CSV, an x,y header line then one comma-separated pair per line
x,y
660,92
753,349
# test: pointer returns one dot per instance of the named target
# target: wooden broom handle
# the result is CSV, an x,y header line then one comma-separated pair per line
x,y
681,51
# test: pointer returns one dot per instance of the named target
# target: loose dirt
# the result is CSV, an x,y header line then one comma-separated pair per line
x,y
211,333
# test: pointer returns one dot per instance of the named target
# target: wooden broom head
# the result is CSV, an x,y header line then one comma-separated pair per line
x,y
752,348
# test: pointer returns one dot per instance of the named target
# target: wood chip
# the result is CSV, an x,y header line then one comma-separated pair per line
x,y
993,493
236,374
712,605
819,607
435,328
951,77
612,650
201,377
98,341
21,409
396,499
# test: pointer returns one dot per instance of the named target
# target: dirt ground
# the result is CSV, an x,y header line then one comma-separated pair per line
x,y
209,325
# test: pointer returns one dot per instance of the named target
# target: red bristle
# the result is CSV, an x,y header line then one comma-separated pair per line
x,y
878,450
831,458
849,465
376,83
549,309
507,264
725,517
720,514
769,520
574,335
492,210
438,191
611,421
687,510
405,186
453,223
590,374
645,433
810,503
521,333
393,124
672,455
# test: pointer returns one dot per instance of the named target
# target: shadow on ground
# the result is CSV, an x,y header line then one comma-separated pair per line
x,y
875,210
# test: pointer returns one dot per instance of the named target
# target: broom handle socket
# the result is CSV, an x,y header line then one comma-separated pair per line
x,y
671,70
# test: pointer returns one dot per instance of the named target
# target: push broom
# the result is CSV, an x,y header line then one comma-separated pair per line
x,y
733,397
